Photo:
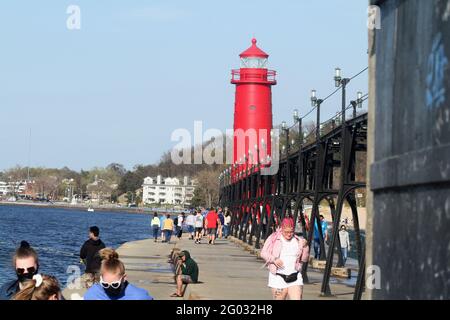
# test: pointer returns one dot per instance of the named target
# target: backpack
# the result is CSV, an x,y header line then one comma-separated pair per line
x,y
175,221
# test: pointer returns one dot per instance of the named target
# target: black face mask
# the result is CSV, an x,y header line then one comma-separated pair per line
x,y
22,277
116,293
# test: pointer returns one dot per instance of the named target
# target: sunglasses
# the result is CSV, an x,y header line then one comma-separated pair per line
x,y
29,270
114,285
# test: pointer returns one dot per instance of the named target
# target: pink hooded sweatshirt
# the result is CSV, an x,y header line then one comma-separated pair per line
x,y
272,250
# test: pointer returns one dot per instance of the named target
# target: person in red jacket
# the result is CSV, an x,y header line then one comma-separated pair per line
x,y
212,221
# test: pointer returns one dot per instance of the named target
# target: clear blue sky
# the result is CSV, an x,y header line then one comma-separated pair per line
x,y
116,89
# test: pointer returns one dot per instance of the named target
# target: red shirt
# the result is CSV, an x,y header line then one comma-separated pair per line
x,y
212,217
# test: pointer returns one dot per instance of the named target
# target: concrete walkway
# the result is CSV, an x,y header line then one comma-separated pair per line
x,y
227,271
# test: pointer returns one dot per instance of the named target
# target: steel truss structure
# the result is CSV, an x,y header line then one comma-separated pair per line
x,y
324,170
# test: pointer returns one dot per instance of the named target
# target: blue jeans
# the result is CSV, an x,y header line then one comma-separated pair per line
x,y
155,230
226,229
168,235
344,254
316,249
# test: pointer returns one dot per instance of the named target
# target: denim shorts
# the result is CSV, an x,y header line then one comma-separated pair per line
x,y
186,279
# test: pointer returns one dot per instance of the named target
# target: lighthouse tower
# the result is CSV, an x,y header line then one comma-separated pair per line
x,y
252,108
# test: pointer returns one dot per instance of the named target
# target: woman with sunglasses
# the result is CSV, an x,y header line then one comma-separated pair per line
x,y
113,283
284,253
26,265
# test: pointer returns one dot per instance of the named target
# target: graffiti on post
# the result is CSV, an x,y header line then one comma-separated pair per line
x,y
436,70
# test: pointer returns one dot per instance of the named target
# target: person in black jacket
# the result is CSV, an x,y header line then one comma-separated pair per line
x,y
26,265
90,257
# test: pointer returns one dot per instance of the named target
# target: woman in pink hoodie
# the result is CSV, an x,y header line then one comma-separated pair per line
x,y
284,254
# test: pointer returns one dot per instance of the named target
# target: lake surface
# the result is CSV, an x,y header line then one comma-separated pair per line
x,y
58,234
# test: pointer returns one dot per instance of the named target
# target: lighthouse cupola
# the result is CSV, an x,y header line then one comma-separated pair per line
x,y
254,57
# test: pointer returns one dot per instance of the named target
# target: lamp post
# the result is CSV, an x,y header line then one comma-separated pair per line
x,y
341,82
357,103
359,100
286,131
316,103
298,120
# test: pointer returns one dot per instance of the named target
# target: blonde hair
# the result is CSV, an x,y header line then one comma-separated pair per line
x,y
111,262
48,288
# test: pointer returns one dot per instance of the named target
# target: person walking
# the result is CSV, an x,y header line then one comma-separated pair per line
x,y
222,222
285,253
212,220
226,224
168,228
204,214
306,222
113,284
198,227
26,265
179,225
161,226
345,243
324,227
190,223
89,256
155,226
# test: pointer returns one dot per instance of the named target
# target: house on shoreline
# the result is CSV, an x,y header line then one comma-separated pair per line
x,y
168,190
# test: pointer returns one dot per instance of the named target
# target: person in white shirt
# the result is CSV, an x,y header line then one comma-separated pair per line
x,y
190,222
345,242
179,226
226,225
198,227
155,226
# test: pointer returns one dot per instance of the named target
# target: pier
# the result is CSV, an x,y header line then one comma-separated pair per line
x,y
227,271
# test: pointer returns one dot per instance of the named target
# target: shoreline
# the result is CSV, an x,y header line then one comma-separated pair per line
x,y
145,211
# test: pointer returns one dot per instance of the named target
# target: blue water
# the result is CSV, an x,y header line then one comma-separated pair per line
x,y
58,234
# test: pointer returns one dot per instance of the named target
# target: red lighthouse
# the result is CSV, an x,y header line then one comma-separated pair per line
x,y
252,108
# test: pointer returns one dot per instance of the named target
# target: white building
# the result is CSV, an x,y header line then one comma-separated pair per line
x,y
4,188
168,190
18,187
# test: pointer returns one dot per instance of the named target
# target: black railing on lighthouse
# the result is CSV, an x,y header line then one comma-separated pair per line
x,y
259,202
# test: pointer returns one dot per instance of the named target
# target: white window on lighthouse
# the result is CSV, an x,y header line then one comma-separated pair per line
x,y
254,62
